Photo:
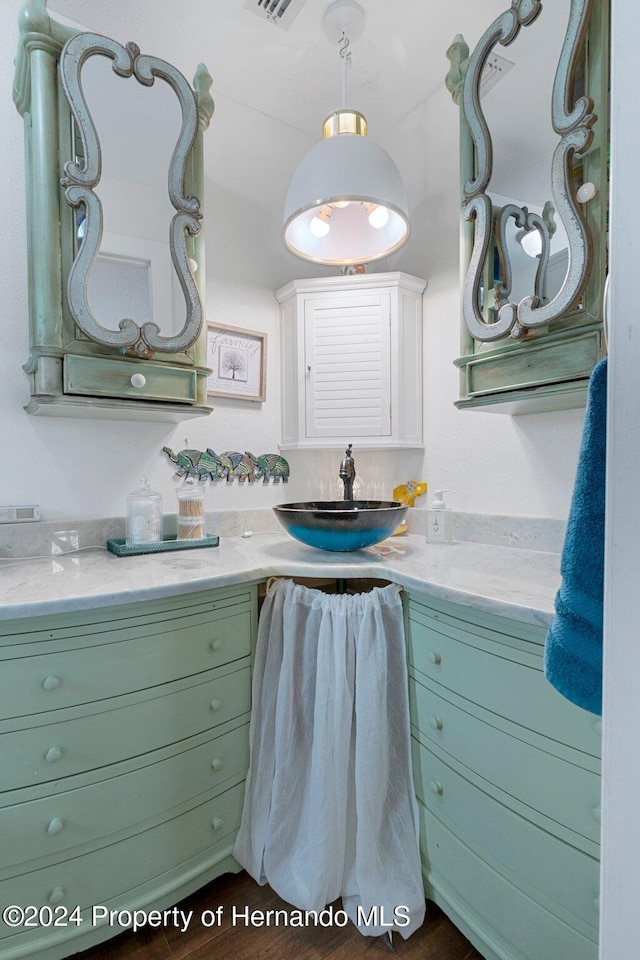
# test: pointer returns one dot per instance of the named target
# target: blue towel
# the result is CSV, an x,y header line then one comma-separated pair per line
x,y
573,648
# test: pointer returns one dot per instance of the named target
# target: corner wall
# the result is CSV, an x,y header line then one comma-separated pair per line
x,y
77,469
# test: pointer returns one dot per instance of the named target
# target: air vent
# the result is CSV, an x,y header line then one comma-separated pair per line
x,y
280,12
494,70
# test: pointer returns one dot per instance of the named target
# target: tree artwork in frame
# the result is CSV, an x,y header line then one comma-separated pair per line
x,y
238,361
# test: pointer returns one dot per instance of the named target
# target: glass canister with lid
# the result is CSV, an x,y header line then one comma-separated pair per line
x,y
144,515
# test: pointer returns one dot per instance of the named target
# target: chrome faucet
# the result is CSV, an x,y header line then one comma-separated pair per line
x,y
348,473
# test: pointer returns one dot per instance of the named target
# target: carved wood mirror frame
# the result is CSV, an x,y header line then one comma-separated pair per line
x,y
573,121
82,177
72,372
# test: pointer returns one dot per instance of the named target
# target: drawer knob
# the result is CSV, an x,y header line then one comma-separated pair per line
x,y
56,896
596,904
596,813
435,657
436,787
216,644
217,822
598,727
215,704
55,826
435,723
216,763
50,683
53,754
138,380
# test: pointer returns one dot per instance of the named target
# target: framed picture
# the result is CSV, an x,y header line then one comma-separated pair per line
x,y
238,359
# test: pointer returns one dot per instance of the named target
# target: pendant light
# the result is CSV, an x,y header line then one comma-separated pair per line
x,y
346,203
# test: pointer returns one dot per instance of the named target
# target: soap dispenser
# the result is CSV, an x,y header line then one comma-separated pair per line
x,y
439,521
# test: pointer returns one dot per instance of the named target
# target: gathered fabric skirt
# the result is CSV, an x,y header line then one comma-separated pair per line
x,y
330,808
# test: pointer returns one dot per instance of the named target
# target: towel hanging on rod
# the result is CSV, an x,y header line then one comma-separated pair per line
x,y
573,645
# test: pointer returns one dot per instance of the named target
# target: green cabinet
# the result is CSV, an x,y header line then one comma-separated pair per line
x,y
116,256
507,777
534,132
125,740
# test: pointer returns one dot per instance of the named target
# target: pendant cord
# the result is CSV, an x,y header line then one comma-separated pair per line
x,y
345,56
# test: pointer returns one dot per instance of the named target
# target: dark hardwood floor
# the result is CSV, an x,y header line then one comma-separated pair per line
x,y
437,939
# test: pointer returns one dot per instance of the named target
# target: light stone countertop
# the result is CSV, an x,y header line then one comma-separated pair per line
x,y
511,582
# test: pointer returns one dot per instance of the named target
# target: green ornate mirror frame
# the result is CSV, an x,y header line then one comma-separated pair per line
x,y
535,352
77,366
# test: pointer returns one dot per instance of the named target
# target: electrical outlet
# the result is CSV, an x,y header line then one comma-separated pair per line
x,y
23,514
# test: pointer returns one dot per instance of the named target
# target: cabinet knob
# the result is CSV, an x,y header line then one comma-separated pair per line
x,y
596,813
435,723
215,704
216,763
57,895
138,380
53,754
596,904
308,368
598,727
216,644
435,657
55,826
585,192
50,683
436,787
217,822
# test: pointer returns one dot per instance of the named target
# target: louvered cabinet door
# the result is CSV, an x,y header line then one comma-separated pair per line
x,y
351,362
347,343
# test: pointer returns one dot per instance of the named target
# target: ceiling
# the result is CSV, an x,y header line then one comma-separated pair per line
x,y
273,88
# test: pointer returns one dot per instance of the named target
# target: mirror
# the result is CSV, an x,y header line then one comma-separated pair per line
x,y
530,124
132,219
132,274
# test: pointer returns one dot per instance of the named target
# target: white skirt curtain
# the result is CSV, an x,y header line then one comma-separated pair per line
x,y
330,808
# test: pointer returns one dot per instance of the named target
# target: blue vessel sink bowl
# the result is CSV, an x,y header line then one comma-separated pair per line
x,y
341,525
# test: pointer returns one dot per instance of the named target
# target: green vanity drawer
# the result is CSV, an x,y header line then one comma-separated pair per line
x,y
563,792
120,661
123,804
491,910
573,359
507,681
560,877
101,377
113,870
77,740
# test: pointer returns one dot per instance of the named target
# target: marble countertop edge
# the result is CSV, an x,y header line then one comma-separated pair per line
x,y
514,583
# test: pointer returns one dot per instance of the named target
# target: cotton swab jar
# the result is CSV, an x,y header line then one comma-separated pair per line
x,y
191,524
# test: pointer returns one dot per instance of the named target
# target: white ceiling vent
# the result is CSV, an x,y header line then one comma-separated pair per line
x,y
280,12
494,70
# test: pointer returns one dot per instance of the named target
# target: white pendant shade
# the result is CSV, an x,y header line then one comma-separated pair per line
x,y
341,168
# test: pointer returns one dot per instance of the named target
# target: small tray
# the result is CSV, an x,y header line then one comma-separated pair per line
x,y
120,548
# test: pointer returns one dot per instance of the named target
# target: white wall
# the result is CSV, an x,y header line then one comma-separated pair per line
x,y
77,468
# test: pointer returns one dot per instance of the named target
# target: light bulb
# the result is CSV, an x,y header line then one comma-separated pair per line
x,y
319,228
532,243
379,217
341,204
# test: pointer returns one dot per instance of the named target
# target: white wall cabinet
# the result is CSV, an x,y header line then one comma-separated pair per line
x,y
351,361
